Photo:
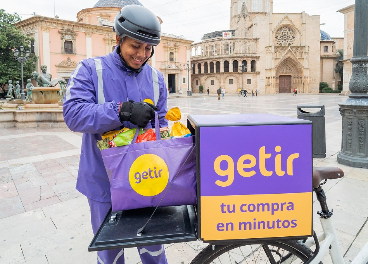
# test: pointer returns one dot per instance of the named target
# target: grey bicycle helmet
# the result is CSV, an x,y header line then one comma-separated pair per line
x,y
138,23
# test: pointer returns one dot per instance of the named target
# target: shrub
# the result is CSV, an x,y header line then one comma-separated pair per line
x,y
323,85
327,90
339,87
201,89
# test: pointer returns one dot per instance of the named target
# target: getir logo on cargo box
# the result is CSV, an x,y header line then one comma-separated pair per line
x,y
247,162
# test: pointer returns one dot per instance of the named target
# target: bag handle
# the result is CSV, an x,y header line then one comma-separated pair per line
x,y
157,130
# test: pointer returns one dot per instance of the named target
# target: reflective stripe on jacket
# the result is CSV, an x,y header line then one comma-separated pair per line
x,y
91,106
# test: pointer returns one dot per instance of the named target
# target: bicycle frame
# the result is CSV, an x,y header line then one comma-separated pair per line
x,y
328,240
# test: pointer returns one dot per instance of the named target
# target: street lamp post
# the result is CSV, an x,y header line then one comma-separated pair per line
x,y
22,57
354,112
189,93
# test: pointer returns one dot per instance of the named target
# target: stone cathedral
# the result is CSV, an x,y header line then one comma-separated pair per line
x,y
270,52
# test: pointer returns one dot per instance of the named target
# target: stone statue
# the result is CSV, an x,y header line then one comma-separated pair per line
x,y
17,90
29,88
34,75
10,91
44,78
62,84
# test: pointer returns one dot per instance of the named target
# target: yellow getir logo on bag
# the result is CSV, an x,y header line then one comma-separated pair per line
x,y
149,175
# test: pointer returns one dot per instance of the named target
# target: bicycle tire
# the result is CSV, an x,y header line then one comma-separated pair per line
x,y
288,251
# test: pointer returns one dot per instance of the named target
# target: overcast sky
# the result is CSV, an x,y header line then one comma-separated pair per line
x,y
190,18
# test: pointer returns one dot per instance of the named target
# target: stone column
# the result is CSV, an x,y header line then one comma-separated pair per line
x,y
46,47
354,112
89,44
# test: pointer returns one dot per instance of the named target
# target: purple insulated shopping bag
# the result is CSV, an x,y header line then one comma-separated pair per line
x,y
141,174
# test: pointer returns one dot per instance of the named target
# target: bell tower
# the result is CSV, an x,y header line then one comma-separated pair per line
x,y
252,6
245,8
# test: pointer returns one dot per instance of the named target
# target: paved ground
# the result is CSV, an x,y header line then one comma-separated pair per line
x,y
43,219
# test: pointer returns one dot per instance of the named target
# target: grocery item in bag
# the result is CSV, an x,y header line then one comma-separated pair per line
x,y
111,134
149,135
125,138
178,129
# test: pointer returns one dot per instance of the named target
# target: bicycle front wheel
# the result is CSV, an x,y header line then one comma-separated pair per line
x,y
286,252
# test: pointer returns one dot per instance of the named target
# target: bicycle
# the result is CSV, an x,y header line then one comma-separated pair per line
x,y
288,251
267,250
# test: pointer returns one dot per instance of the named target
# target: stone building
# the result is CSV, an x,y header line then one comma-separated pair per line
x,y
280,52
348,43
329,49
62,44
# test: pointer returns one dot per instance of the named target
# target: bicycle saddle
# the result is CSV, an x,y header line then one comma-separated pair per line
x,y
325,173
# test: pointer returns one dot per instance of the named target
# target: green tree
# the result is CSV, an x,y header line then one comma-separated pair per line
x,y
12,38
339,67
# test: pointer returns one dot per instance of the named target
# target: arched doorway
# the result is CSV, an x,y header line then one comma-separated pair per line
x,y
284,83
289,72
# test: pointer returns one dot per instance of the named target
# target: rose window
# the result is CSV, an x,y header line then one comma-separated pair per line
x,y
285,36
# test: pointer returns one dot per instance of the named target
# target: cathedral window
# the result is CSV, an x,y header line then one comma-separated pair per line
x,y
193,68
249,81
226,66
285,36
217,66
196,82
205,67
253,66
235,66
68,41
171,56
212,67
244,63
227,48
199,68
212,82
68,47
326,49
231,81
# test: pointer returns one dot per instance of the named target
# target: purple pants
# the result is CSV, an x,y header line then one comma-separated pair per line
x,y
149,254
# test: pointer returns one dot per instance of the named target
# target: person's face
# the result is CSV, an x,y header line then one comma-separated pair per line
x,y
134,52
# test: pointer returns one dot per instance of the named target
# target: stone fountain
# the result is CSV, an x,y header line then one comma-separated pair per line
x,y
43,104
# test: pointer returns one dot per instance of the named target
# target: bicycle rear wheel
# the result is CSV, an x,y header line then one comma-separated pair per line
x,y
286,252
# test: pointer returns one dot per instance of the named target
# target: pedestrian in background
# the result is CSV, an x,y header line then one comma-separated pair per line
x,y
208,91
223,93
218,93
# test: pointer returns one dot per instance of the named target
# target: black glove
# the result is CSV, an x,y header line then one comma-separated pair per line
x,y
138,113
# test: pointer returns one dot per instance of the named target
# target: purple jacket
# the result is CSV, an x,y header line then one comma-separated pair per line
x,y
91,106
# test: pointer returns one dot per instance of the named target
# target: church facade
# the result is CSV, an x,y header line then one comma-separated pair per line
x,y
62,44
264,51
